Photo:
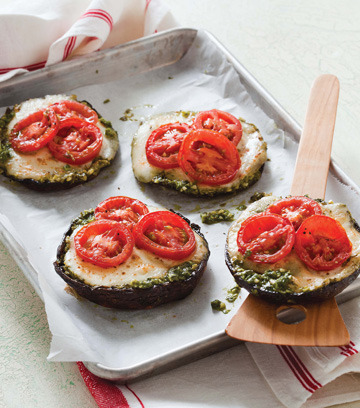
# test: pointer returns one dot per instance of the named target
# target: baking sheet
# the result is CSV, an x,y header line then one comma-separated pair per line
x,y
203,79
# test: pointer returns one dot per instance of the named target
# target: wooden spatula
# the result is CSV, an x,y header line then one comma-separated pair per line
x,y
256,320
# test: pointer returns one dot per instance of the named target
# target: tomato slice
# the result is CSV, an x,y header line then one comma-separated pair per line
x,y
322,243
295,209
104,243
34,132
267,238
67,109
165,234
208,157
220,121
76,142
162,146
122,209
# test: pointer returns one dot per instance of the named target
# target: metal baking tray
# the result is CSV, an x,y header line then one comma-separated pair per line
x,y
129,60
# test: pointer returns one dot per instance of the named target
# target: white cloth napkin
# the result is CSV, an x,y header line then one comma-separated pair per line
x,y
34,35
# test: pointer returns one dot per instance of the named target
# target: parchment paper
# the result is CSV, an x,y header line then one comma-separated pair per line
x,y
81,330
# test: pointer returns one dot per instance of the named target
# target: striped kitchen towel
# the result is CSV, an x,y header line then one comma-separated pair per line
x,y
251,375
40,35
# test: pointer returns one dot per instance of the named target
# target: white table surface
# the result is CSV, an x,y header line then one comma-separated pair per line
x,y
285,45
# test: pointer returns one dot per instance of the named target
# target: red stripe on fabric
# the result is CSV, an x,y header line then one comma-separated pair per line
x,y
147,4
69,47
106,394
142,405
348,350
100,17
293,362
31,67
293,370
99,14
302,365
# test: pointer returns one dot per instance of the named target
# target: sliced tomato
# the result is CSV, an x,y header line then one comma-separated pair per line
x,y
122,209
322,243
67,109
208,157
76,142
34,132
220,121
104,243
296,209
165,234
162,146
266,238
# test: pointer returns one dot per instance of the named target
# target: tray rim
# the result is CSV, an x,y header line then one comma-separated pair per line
x,y
217,341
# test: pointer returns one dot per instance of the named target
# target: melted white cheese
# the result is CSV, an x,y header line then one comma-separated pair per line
x,y
304,276
252,150
140,266
41,163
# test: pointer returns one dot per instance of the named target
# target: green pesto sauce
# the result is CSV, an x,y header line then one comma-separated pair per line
x,y
219,306
5,147
191,188
175,274
257,196
127,115
280,280
233,294
212,217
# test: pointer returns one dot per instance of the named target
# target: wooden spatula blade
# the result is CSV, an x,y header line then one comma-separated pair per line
x,y
256,321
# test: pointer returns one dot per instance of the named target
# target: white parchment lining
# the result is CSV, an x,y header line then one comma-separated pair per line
x,y
81,330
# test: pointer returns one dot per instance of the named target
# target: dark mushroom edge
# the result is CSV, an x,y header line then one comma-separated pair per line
x,y
138,295
282,289
67,176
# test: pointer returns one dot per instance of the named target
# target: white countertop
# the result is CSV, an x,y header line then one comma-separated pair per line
x,y
285,45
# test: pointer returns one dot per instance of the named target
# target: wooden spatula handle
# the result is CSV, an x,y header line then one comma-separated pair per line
x,y
313,159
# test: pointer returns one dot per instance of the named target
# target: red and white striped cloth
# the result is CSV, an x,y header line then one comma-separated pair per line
x,y
35,34
282,376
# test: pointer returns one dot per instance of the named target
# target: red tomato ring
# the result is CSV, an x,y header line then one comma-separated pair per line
x,y
322,243
165,234
267,238
77,142
296,209
122,209
104,243
208,157
34,132
220,121
162,146
68,108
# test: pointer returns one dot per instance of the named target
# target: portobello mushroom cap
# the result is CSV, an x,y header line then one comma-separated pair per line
x,y
252,150
130,296
301,285
39,170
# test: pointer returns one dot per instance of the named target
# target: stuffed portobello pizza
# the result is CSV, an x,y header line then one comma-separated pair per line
x,y
202,154
127,255
55,142
294,249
